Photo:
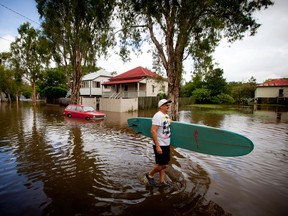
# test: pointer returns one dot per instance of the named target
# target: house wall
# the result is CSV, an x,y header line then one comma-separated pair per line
x,y
95,91
125,105
118,105
145,88
159,87
270,92
89,101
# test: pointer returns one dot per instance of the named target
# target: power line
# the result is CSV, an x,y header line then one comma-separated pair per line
x,y
5,39
19,14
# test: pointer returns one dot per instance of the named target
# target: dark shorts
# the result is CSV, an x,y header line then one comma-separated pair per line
x,y
164,158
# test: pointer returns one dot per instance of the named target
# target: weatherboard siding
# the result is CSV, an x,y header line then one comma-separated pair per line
x,y
270,92
118,105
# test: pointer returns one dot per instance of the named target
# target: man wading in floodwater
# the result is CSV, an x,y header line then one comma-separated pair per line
x,y
160,131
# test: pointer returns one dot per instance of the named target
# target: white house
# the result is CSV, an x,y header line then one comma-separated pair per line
x,y
127,87
92,89
273,91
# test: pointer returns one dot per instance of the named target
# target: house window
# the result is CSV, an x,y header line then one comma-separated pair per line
x,y
281,92
95,84
85,84
153,88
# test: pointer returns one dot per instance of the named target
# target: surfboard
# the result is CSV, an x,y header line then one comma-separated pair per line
x,y
199,138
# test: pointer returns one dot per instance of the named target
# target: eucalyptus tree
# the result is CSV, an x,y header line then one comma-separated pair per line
x,y
5,59
79,32
182,28
29,55
8,83
215,82
10,80
242,91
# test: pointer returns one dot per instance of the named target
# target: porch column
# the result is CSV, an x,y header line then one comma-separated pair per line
x,y
90,85
138,89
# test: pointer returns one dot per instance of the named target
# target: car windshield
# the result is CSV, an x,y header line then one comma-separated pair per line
x,y
88,109
71,107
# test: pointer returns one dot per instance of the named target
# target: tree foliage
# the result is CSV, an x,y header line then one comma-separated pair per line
x,y
213,88
215,82
5,59
54,92
242,91
10,80
78,30
29,55
223,98
196,83
26,91
8,83
202,95
53,79
208,88
186,28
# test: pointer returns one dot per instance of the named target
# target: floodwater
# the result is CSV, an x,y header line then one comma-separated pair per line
x,y
51,165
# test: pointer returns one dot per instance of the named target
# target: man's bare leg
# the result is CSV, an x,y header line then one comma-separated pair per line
x,y
160,169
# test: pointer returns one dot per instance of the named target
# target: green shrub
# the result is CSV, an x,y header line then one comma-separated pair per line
x,y
27,92
201,95
223,99
162,95
54,92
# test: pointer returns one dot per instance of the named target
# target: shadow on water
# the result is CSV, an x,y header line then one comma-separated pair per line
x,y
53,165
215,115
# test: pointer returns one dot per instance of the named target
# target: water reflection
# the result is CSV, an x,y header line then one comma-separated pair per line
x,y
280,114
202,117
54,165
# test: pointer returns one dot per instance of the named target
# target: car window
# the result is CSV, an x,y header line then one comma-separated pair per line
x,y
71,107
88,109
79,109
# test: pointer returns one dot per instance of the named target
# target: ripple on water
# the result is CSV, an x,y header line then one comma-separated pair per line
x,y
97,168
119,160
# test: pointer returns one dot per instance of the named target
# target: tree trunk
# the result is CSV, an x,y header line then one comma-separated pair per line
x,y
173,94
34,93
9,98
77,74
174,81
67,70
17,99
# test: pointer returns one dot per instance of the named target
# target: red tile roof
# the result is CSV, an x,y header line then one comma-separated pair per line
x,y
275,82
133,75
136,72
122,81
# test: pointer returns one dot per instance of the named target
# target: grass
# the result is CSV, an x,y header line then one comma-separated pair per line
x,y
213,106
222,109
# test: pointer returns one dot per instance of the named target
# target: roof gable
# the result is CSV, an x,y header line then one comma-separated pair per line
x,y
275,82
94,75
138,72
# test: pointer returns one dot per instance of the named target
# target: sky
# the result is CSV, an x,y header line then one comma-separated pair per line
x,y
263,56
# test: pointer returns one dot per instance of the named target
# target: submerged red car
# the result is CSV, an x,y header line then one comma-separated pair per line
x,y
84,112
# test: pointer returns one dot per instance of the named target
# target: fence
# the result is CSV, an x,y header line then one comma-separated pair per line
x,y
152,102
124,94
143,102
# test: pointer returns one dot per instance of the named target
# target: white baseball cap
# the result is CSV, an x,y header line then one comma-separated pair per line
x,y
163,101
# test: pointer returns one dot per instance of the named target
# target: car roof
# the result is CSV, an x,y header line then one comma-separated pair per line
x,y
76,105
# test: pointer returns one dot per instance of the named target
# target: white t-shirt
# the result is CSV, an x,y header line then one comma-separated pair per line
x,y
163,132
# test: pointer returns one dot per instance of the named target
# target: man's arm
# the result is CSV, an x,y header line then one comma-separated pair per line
x,y
154,129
